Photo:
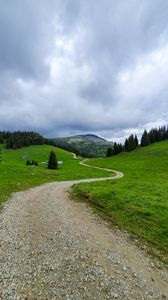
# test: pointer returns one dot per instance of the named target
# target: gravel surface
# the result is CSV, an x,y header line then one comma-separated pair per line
x,y
54,248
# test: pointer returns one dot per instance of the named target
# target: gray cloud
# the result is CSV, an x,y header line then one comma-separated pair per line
x,y
81,66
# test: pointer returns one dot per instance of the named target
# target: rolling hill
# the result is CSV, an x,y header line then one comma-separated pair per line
x,y
139,201
88,145
16,176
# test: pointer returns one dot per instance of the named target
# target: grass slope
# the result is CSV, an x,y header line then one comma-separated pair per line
x,y
15,175
139,201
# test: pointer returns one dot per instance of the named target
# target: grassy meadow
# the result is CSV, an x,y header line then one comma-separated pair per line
x,y
16,176
138,202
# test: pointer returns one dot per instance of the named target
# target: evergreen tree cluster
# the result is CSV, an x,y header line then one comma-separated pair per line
x,y
117,148
154,135
52,162
131,143
18,139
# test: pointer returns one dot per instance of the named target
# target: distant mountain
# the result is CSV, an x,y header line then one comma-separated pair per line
x,y
91,136
87,145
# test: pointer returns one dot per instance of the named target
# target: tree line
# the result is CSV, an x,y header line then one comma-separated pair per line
x,y
131,143
154,135
18,139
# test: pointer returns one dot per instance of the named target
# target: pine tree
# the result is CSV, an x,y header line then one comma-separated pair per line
x,y
136,140
126,145
109,152
152,135
131,143
52,162
145,141
115,149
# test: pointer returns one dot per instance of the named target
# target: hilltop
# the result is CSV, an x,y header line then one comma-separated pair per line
x,y
88,145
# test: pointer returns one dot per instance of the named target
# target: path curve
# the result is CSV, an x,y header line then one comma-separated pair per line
x,y
55,248
117,173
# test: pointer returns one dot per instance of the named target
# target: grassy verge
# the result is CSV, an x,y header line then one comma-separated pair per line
x,y
16,176
139,201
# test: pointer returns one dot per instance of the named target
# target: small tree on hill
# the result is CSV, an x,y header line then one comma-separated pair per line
x,y
52,162
109,152
145,141
131,143
117,148
126,145
136,140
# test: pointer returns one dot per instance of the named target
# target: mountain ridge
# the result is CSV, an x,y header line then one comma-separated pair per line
x,y
86,145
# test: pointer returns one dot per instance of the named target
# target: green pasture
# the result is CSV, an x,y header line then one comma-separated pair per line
x,y
138,202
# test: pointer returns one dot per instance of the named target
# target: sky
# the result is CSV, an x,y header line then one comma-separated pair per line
x,y
83,66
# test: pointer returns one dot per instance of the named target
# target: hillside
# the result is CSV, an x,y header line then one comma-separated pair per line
x,y
16,176
57,249
88,145
139,201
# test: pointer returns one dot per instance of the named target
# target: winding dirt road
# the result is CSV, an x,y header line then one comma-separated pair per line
x,y
54,248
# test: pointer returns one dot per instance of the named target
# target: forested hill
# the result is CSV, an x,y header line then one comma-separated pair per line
x,y
88,145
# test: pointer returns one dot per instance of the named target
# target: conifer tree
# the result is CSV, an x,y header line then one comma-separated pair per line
x,y
152,135
131,143
109,152
145,141
136,140
115,149
126,145
52,162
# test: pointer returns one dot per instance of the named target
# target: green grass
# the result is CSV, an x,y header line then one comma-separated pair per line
x,y
16,176
139,201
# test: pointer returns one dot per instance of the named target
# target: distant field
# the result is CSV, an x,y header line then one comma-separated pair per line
x,y
139,201
15,175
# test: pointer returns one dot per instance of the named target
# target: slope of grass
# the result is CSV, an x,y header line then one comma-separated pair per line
x,y
139,201
15,175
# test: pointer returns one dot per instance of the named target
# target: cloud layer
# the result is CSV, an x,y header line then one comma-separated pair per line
x,y
71,66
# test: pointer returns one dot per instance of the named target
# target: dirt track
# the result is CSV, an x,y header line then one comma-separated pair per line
x,y
55,248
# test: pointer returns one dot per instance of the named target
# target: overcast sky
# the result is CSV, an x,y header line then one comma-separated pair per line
x,y
83,66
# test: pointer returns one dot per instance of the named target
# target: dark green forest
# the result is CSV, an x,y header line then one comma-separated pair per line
x,y
19,139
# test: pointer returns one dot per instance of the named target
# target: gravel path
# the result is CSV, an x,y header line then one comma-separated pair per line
x,y
54,248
